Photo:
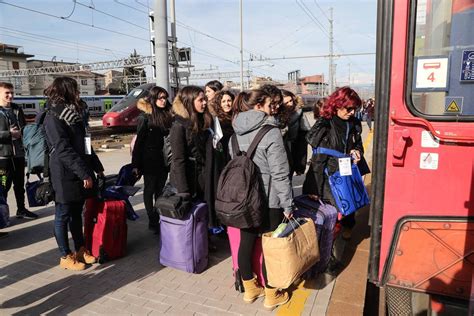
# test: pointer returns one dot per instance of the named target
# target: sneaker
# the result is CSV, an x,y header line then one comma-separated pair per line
x,y
3,235
24,213
84,256
70,263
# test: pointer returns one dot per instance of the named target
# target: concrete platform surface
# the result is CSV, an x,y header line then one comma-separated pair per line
x,y
31,282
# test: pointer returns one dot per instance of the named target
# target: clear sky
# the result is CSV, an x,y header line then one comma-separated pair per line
x,y
272,28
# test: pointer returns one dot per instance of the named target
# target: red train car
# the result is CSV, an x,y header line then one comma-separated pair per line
x,y
422,208
125,113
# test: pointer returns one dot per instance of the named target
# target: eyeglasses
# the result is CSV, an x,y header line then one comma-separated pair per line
x,y
162,98
351,109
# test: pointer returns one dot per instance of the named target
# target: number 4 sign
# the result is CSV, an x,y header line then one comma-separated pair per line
x,y
431,73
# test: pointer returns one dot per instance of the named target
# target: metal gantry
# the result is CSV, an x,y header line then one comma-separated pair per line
x,y
63,69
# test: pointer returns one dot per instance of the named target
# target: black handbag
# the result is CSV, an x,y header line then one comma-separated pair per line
x,y
44,192
172,204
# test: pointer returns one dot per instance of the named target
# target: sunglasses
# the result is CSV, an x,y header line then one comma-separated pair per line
x,y
351,109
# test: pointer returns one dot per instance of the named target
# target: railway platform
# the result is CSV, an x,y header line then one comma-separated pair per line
x,y
31,282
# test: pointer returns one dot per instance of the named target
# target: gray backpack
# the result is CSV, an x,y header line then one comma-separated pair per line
x,y
240,199
34,141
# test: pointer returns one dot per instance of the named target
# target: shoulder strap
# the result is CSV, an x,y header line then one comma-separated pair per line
x,y
253,146
329,152
42,116
235,145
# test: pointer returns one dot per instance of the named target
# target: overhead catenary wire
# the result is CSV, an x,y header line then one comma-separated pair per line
x,y
72,12
312,17
29,39
110,15
130,7
80,46
321,9
73,21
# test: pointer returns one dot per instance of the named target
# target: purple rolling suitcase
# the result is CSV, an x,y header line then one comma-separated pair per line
x,y
324,216
184,241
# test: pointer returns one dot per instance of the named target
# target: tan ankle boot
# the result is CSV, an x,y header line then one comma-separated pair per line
x,y
252,290
83,255
70,263
274,298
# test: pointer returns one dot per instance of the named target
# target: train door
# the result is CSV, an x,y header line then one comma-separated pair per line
x,y
422,211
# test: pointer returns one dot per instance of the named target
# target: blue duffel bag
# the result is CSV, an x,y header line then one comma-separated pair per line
x,y
349,192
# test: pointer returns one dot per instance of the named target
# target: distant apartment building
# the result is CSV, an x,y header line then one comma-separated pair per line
x,y
113,80
313,85
12,58
88,82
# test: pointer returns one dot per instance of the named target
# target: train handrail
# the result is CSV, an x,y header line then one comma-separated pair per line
x,y
427,124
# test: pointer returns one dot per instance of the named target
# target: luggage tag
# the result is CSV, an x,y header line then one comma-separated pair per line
x,y
87,144
345,166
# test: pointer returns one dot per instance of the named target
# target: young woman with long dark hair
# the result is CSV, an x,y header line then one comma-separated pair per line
x,y
294,126
219,155
329,131
252,110
189,138
148,158
72,165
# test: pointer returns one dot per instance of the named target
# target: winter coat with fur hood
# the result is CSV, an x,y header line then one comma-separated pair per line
x,y
188,149
147,155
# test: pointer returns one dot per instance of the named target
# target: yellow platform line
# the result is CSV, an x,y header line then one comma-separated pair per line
x,y
368,139
295,305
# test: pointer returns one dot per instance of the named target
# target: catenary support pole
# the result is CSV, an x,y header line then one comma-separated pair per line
x,y
161,44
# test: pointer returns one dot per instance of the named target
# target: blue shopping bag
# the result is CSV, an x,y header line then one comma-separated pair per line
x,y
349,192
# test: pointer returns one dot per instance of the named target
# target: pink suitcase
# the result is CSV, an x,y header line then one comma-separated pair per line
x,y
257,259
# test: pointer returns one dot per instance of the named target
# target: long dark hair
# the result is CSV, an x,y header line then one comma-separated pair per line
x,y
215,85
216,103
247,100
162,117
284,112
199,122
64,90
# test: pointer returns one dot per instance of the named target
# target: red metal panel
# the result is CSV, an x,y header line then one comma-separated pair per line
x,y
434,257
410,190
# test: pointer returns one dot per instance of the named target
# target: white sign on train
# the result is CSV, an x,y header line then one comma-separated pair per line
x,y
431,73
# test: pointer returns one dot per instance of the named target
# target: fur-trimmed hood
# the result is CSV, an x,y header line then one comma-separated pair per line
x,y
179,109
144,106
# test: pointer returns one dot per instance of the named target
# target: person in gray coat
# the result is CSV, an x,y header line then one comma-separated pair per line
x,y
251,112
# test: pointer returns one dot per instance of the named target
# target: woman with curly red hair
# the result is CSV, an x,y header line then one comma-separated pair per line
x,y
336,128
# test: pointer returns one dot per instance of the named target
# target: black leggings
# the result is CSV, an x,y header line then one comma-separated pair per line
x,y
247,243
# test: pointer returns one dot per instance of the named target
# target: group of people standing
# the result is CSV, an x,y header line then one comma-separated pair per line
x,y
198,126
186,142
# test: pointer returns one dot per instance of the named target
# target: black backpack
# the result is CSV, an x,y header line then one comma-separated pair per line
x,y
240,198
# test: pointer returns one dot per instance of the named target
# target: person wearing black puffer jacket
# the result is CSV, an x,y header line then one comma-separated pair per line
x,y
73,165
147,157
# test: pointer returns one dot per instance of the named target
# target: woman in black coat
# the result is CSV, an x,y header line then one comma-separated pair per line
x,y
217,155
336,122
148,154
189,138
294,126
72,165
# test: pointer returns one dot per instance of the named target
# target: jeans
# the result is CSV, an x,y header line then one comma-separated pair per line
x,y
17,177
69,214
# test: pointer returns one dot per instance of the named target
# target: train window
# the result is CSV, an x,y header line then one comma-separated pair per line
x,y
135,93
443,59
